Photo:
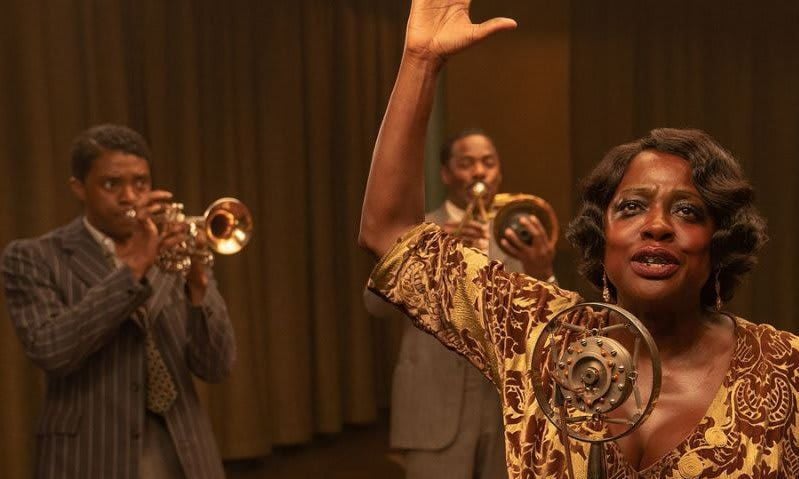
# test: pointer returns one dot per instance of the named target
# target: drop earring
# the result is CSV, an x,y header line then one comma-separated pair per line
x,y
719,303
605,289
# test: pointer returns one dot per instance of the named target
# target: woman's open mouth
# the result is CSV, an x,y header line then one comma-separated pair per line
x,y
654,263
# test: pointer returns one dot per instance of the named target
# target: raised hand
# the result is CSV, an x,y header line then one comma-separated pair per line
x,y
394,198
439,28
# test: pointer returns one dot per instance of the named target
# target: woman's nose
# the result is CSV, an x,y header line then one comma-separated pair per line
x,y
658,226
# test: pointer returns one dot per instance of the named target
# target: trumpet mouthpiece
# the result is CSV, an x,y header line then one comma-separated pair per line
x,y
478,189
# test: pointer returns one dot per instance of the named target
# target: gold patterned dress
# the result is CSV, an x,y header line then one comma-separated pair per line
x,y
493,318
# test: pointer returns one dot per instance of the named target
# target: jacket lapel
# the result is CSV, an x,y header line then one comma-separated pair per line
x,y
438,216
86,256
89,262
162,285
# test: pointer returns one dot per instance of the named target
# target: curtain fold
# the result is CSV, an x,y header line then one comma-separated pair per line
x,y
276,103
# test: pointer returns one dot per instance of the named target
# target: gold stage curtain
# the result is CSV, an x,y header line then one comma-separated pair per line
x,y
274,102
729,68
278,102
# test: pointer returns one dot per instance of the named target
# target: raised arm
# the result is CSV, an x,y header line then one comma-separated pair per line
x,y
394,199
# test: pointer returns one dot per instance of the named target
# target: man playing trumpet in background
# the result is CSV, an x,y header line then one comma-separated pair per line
x,y
469,159
444,414
118,338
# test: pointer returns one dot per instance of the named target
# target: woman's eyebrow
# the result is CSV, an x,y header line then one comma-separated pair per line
x,y
638,190
682,193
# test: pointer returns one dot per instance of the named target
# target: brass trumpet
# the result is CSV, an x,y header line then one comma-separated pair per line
x,y
509,208
506,210
227,224
477,192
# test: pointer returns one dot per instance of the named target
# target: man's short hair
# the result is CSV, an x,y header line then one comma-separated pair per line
x,y
95,141
446,149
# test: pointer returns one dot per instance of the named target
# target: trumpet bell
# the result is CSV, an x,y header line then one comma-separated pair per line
x,y
228,225
510,208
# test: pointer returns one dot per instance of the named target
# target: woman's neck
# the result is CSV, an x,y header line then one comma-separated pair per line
x,y
681,332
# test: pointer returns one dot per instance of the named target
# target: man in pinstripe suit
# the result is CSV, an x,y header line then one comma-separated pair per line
x,y
118,338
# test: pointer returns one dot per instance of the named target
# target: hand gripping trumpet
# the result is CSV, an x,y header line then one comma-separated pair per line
x,y
227,225
506,210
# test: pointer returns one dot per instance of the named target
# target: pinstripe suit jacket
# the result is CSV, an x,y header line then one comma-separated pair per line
x,y
72,310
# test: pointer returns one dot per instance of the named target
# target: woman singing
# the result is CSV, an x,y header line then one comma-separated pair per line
x,y
667,227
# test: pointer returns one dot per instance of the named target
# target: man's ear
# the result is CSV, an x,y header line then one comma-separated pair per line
x,y
78,188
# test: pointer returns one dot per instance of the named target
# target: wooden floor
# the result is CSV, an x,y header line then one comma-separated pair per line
x,y
358,453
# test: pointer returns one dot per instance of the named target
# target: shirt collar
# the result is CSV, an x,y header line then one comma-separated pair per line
x,y
454,213
105,241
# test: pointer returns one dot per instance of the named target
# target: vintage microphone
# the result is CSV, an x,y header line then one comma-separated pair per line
x,y
580,374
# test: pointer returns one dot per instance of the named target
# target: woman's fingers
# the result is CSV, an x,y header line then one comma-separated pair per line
x,y
440,28
490,27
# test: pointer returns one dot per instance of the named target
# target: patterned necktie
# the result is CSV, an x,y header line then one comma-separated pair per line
x,y
161,391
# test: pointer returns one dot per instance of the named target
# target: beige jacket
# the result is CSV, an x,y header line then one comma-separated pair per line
x,y
428,383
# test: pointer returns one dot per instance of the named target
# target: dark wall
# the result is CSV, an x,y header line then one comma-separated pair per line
x,y
577,78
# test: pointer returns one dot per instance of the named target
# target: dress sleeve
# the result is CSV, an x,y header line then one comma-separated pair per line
x,y
472,305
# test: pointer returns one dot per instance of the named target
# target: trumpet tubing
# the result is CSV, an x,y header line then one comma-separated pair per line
x,y
506,211
476,209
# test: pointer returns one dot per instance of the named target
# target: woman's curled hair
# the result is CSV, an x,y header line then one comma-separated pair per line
x,y
741,230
